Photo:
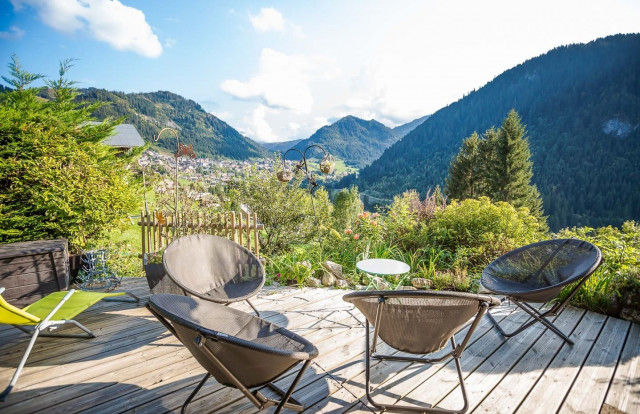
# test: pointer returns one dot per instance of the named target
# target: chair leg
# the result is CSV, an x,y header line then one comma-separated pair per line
x,y
405,408
39,331
537,317
23,361
286,397
88,333
253,307
193,394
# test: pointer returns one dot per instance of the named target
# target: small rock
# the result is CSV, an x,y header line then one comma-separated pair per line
x,y
341,283
306,264
630,314
334,268
421,283
328,279
378,283
360,287
406,288
313,282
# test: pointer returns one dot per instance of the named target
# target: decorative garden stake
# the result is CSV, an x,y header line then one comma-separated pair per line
x,y
182,150
327,165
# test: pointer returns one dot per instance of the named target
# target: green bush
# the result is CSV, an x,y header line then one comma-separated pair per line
x,y
57,179
289,213
618,278
407,216
346,207
476,231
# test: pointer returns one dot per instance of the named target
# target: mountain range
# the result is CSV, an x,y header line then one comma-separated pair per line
x,y
581,107
150,112
356,141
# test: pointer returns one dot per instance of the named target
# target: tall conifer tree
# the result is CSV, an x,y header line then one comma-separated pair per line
x,y
464,179
497,165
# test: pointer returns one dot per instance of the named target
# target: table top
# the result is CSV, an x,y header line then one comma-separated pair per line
x,y
383,267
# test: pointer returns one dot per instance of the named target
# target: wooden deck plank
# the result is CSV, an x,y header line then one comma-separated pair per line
x,y
135,365
303,312
445,379
384,374
590,388
549,392
516,383
624,393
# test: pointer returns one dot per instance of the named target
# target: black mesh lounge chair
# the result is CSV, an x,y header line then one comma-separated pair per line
x,y
418,322
214,269
537,273
238,349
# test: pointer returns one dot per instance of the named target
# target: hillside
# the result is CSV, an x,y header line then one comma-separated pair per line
x,y
150,112
404,129
354,140
581,105
279,146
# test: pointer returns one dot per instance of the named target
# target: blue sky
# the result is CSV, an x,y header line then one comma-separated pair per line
x,y
280,70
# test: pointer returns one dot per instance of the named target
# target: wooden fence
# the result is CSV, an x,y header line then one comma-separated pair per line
x,y
159,228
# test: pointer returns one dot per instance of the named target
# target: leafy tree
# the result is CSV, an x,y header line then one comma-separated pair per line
x,y
57,179
346,207
289,212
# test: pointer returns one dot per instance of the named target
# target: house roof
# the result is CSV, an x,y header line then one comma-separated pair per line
x,y
125,136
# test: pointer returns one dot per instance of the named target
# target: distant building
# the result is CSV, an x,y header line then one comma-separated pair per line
x,y
125,137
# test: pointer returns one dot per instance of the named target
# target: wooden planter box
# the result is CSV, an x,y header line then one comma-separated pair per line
x,y
32,270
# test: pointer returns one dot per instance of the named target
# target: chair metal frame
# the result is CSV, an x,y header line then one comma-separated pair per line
x,y
456,353
45,324
193,293
256,397
554,310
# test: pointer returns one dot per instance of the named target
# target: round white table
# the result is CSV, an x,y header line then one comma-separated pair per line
x,y
383,267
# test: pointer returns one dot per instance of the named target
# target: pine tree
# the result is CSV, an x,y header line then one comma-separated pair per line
x,y
508,176
464,179
497,165
57,179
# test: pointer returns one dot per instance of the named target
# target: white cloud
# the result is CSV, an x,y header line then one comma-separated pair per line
x,y
294,127
283,81
269,19
14,32
169,42
110,21
260,128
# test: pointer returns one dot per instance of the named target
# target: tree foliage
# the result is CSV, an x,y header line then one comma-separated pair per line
x,y
476,231
346,207
290,214
497,165
57,179
581,104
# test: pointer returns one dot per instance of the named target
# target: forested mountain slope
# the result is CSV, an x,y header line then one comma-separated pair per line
x,y
581,105
354,140
150,112
404,129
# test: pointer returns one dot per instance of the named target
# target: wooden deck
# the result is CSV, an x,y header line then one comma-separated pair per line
x,y
135,365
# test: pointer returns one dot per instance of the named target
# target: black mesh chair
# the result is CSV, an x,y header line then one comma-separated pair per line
x,y
537,273
418,322
238,349
213,268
